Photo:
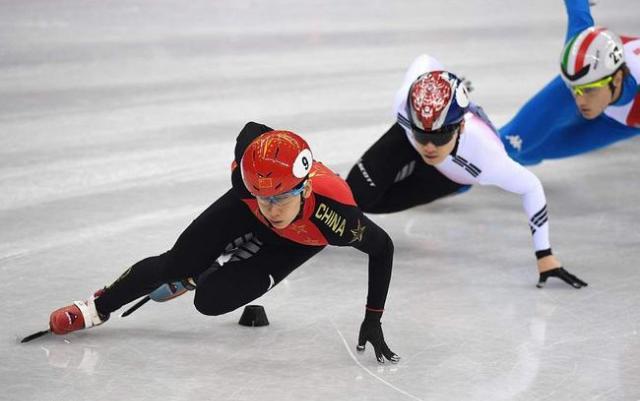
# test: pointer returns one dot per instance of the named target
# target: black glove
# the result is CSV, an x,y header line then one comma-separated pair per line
x,y
563,275
371,331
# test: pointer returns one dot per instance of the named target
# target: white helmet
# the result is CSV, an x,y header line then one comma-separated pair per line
x,y
590,56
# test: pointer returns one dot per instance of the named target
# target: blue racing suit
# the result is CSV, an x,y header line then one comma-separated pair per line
x,y
549,125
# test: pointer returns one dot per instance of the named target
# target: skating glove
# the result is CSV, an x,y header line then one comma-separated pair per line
x,y
371,331
563,275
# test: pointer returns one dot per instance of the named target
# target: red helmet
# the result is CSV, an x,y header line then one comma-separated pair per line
x,y
275,162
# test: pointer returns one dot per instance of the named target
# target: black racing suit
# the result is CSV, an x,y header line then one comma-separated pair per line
x,y
329,217
391,176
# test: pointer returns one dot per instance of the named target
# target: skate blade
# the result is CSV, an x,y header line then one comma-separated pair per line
x,y
35,335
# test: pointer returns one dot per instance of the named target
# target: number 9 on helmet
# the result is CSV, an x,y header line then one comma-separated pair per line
x,y
275,163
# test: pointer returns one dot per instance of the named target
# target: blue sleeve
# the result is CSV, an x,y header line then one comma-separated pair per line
x,y
579,16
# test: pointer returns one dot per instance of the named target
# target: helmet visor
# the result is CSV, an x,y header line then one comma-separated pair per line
x,y
580,90
275,199
439,137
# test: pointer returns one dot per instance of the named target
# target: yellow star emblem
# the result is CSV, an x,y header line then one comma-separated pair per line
x,y
358,233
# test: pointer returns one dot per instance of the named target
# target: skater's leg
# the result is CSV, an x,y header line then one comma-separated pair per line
x,y
223,289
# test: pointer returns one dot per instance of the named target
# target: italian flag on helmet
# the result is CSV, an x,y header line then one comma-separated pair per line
x,y
592,55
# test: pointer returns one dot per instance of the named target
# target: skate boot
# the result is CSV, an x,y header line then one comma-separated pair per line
x,y
77,316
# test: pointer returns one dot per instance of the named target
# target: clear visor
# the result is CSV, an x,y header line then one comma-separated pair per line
x,y
282,197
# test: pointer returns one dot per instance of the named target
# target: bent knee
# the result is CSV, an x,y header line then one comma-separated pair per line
x,y
211,306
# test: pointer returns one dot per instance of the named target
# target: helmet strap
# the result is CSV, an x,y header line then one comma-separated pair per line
x,y
455,148
301,211
612,85
612,88
306,184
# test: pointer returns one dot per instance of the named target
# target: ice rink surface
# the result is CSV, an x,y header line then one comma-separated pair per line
x,y
117,126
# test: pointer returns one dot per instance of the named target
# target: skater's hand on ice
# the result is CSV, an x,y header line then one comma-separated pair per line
x,y
371,331
563,275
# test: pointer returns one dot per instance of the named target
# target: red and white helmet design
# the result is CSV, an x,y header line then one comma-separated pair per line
x,y
592,55
437,98
275,162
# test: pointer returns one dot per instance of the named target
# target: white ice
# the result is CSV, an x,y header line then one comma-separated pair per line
x,y
117,124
